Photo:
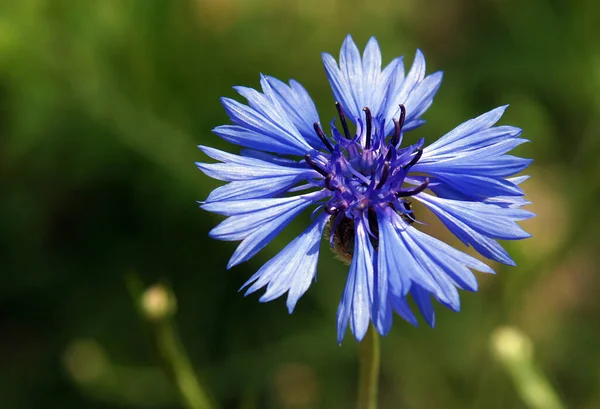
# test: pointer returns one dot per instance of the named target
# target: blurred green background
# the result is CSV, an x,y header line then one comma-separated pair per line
x,y
102,104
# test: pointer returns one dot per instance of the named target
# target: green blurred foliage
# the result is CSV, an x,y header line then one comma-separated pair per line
x,y
101,105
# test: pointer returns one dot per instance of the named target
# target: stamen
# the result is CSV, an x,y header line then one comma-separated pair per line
x,y
415,190
358,175
362,204
369,121
391,150
322,136
329,182
330,209
340,110
385,172
310,162
335,207
409,215
414,159
396,137
398,124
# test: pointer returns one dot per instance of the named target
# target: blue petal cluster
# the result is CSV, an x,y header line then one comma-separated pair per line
x,y
360,182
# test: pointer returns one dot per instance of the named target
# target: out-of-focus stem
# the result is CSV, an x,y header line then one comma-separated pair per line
x,y
368,381
514,350
157,305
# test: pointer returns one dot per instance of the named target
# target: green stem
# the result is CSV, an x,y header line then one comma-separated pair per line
x,y
178,366
157,306
515,350
368,380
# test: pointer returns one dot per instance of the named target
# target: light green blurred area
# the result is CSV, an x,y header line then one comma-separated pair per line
x,y
102,104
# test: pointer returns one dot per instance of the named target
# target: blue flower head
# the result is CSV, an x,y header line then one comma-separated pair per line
x,y
361,181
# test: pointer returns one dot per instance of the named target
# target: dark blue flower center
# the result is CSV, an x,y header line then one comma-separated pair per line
x,y
367,169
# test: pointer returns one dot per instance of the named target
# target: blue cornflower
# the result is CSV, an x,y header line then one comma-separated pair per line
x,y
360,184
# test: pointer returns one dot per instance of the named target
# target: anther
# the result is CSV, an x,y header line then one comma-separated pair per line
x,y
415,190
414,159
408,215
329,182
385,172
396,137
342,116
398,124
389,154
369,121
322,136
310,162
330,209
362,204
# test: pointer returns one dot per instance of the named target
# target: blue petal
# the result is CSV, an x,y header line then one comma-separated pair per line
x,y
414,91
228,157
489,220
357,298
392,260
445,191
455,264
495,167
371,67
265,116
470,127
402,93
473,141
423,300
479,186
446,292
341,89
513,202
472,160
268,206
283,114
489,248
484,245
466,149
402,308
388,82
517,180
269,106
430,265
359,83
351,67
447,251
236,168
293,269
248,138
384,322
262,236
510,201
397,257
299,106
271,158
247,216
381,309
421,98
252,189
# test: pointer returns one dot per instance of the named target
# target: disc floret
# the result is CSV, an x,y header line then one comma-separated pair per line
x,y
366,170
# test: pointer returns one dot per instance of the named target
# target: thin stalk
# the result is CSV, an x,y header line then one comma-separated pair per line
x,y
515,351
368,381
157,306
